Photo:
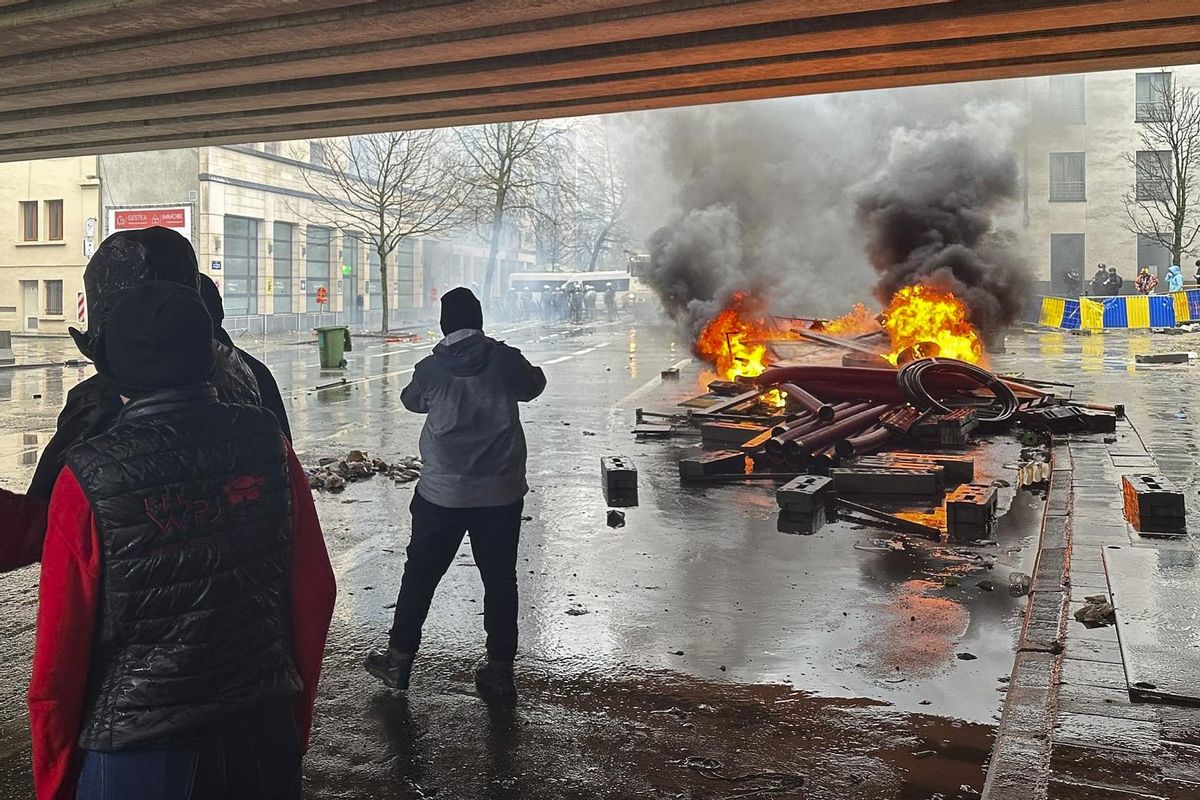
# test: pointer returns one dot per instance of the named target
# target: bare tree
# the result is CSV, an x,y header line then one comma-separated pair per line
x,y
387,187
603,207
1163,203
553,217
506,164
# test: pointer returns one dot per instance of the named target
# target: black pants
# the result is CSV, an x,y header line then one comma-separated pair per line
x,y
437,533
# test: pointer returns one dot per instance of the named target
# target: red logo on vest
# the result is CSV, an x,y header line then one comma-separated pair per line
x,y
244,489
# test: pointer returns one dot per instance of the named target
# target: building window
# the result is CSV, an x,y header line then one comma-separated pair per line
x,y
282,252
403,286
1067,177
29,221
316,267
241,266
316,153
1152,90
351,300
54,305
1067,99
1066,255
1151,253
374,283
1153,175
54,220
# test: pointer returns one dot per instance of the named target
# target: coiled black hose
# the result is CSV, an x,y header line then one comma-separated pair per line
x,y
911,375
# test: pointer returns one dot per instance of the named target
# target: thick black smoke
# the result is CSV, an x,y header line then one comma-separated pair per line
x,y
795,200
928,213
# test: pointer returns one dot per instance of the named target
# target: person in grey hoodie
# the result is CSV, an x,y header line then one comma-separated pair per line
x,y
473,482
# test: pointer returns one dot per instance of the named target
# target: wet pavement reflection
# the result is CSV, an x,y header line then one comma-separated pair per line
x,y
706,654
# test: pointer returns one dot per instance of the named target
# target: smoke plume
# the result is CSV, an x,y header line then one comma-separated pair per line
x,y
928,213
814,203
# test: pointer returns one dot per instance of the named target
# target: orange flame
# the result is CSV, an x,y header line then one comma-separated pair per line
x,y
733,341
859,320
932,323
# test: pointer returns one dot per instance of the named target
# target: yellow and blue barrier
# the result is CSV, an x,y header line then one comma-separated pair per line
x,y
1124,312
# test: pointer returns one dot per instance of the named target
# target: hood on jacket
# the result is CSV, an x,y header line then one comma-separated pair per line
x,y
1174,270
131,258
465,356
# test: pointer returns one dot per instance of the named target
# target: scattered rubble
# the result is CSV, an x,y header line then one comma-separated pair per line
x,y
1097,612
332,474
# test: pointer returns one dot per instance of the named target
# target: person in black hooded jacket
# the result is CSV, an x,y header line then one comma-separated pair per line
x,y
123,260
268,389
473,482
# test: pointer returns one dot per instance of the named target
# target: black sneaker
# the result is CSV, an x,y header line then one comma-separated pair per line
x,y
390,666
494,679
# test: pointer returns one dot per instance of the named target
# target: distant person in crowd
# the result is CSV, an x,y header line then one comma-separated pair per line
x,y
122,261
1196,274
268,389
610,301
1115,282
589,303
1145,282
186,590
1100,281
473,483
1073,282
1174,278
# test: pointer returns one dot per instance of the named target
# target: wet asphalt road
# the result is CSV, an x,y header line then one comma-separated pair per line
x,y
713,648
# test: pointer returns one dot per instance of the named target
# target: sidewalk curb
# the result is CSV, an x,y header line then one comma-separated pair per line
x,y
1020,764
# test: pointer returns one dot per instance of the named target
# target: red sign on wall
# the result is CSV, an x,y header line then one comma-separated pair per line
x,y
148,217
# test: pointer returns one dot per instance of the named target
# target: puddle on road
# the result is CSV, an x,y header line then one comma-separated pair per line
x,y
650,735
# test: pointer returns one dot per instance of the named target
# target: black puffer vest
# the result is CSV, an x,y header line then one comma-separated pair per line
x,y
192,503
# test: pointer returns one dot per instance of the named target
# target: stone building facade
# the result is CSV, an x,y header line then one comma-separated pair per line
x,y
1082,128
49,222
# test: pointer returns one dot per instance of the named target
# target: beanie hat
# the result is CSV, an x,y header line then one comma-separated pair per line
x,y
129,258
461,309
158,336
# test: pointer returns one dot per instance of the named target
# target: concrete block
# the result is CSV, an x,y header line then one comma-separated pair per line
x,y
719,462
671,374
956,469
1161,358
971,504
618,472
954,429
887,480
729,433
800,522
619,480
1153,503
804,494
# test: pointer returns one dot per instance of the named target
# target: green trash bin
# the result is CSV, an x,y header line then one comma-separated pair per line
x,y
333,342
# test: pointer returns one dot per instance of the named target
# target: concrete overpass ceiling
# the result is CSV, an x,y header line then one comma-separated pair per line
x,y
82,76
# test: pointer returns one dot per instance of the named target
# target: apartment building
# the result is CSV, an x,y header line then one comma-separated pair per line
x,y
273,248
1083,131
49,227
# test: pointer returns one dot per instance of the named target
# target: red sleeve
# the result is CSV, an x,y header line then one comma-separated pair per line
x,y
313,593
23,521
67,610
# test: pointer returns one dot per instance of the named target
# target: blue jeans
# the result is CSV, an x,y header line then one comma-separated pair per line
x,y
255,757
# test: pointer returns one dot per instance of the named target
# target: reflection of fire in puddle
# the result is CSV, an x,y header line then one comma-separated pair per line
x,y
918,632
